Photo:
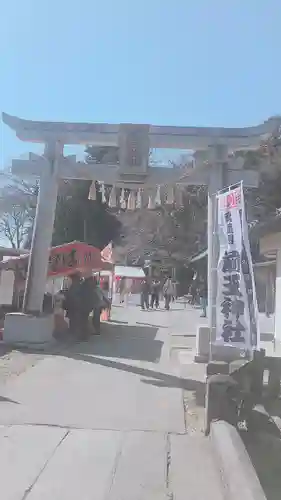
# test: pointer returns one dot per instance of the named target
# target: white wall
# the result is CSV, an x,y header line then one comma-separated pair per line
x,y
7,279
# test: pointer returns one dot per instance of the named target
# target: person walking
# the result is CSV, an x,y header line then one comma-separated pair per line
x,y
155,292
145,288
71,303
100,302
193,291
87,303
174,297
168,290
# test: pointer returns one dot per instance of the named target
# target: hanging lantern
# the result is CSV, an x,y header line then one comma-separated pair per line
x,y
139,200
158,197
151,202
179,196
92,192
103,198
112,203
131,201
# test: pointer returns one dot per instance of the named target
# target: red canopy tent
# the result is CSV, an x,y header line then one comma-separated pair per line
x,y
63,260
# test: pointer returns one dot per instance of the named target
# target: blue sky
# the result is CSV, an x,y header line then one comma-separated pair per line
x,y
180,62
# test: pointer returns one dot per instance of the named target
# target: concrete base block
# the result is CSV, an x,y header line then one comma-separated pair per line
x,y
226,353
25,329
202,344
219,404
217,367
199,358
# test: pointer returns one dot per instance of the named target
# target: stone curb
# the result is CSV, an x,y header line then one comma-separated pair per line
x,y
238,474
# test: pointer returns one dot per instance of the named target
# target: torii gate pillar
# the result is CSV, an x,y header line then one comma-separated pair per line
x,y
43,230
31,327
218,158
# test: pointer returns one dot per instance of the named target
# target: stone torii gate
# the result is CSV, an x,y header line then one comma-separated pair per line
x,y
132,172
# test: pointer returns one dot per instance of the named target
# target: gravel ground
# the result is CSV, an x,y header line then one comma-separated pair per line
x,y
193,382
194,413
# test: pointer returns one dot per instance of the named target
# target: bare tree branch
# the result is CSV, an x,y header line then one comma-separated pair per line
x,y
18,206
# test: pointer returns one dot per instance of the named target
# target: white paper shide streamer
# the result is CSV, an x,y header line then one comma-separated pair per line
x,y
179,196
168,194
151,201
170,199
112,203
131,201
123,200
103,198
139,200
158,197
92,192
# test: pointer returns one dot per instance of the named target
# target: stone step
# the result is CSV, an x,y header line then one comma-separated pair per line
x,y
193,470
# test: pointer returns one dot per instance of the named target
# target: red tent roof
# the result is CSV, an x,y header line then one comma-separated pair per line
x,y
65,259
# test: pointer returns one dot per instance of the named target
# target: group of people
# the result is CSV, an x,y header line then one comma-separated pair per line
x,y
152,289
81,298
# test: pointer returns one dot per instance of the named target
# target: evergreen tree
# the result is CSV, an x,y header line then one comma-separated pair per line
x,y
78,218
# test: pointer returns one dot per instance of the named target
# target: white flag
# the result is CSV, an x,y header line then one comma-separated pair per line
x,y
237,312
107,253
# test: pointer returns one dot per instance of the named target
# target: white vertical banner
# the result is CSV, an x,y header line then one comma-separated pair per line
x,y
237,312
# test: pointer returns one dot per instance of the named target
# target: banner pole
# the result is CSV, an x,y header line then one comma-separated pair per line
x,y
216,182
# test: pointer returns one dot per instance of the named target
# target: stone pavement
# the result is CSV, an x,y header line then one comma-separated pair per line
x,y
109,419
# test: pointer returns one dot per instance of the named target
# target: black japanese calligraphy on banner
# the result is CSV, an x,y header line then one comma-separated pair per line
x,y
62,260
236,299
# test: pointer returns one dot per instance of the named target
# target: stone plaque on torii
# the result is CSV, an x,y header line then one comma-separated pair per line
x,y
132,172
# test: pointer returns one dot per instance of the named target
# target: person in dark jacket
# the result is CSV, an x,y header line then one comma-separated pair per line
x,y
168,292
92,300
71,303
155,292
86,294
100,302
145,289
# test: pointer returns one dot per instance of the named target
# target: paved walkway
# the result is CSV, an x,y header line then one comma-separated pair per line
x,y
111,419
